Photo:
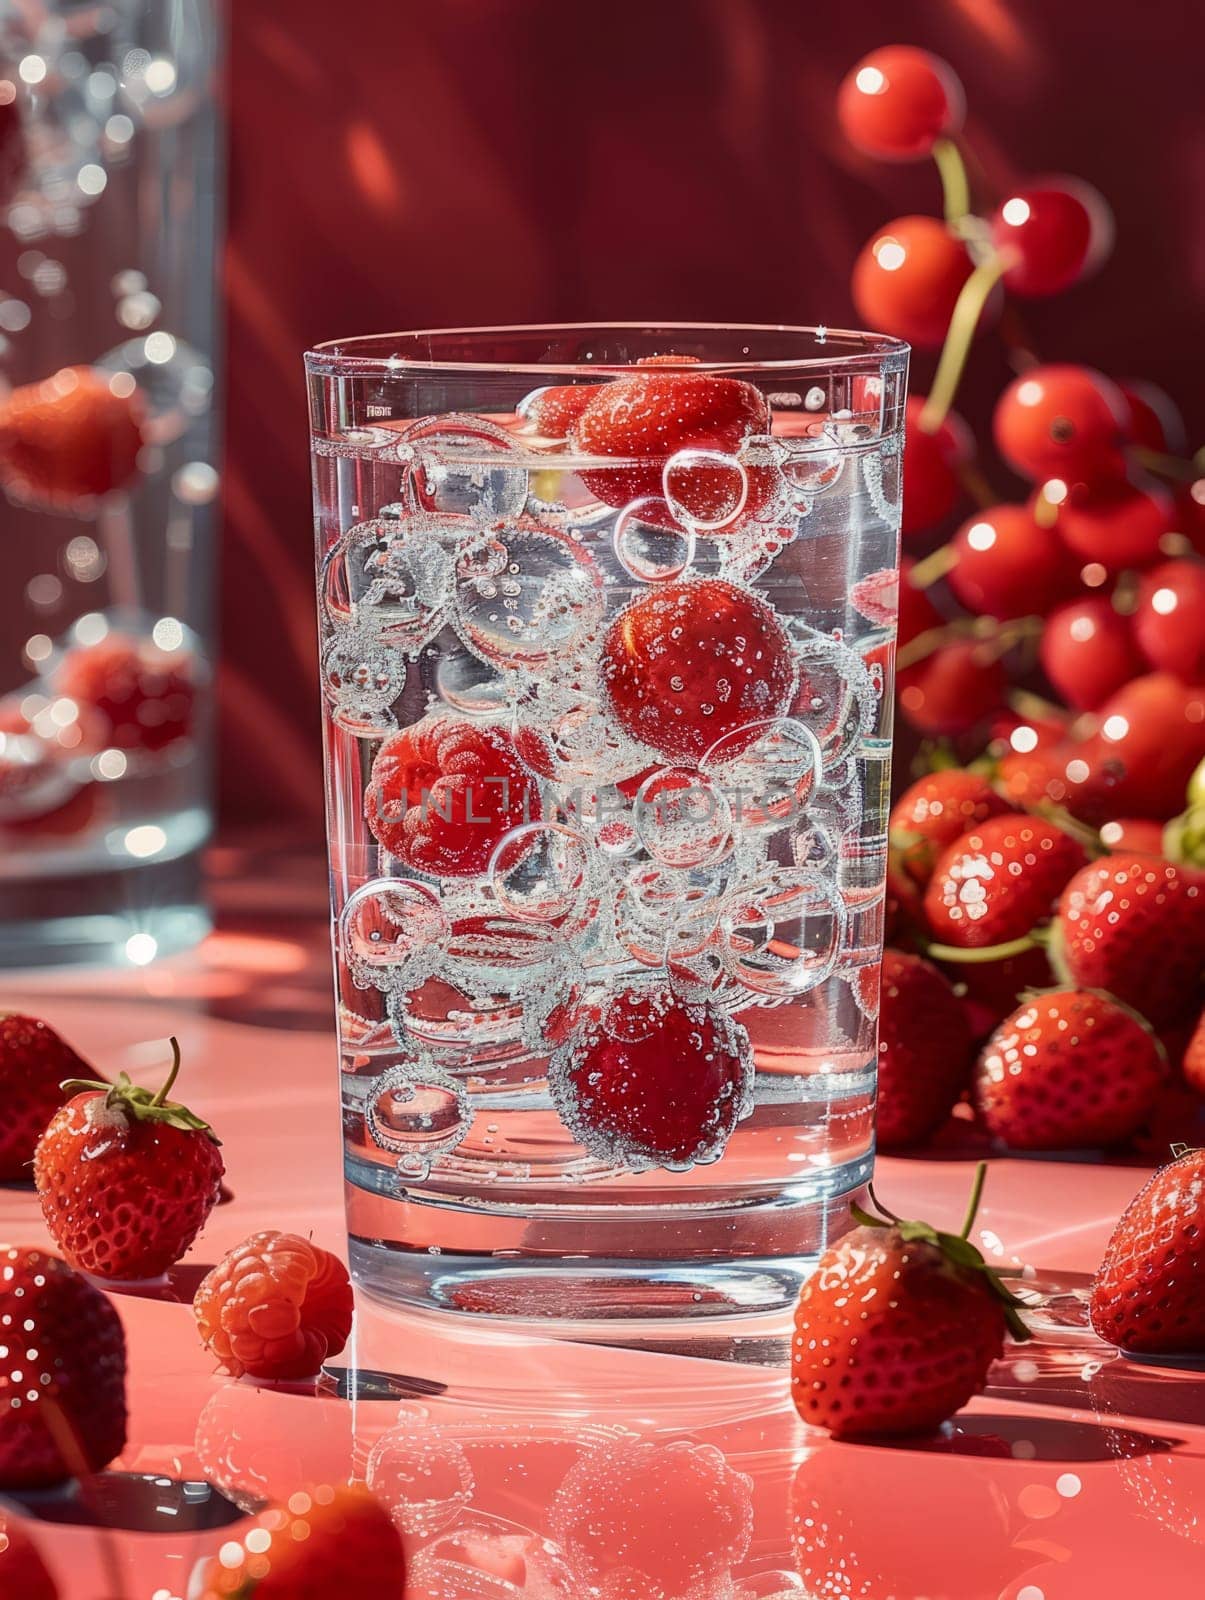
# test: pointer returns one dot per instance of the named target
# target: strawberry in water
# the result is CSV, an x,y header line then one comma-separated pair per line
x,y
320,1542
687,664
127,1177
62,1386
647,418
71,438
652,1081
275,1307
1070,1069
898,1325
936,810
999,880
141,697
443,793
1149,1294
1135,926
34,1063
924,1051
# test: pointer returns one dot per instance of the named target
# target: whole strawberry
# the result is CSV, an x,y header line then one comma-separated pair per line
x,y
924,1051
1135,926
998,880
23,1573
1149,1295
896,1328
62,1384
938,809
1070,1069
321,1542
127,1178
34,1063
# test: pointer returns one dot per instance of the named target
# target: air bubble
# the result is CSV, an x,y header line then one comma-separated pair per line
x,y
648,549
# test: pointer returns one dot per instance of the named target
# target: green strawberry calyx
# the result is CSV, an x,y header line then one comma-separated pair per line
x,y
956,1247
146,1105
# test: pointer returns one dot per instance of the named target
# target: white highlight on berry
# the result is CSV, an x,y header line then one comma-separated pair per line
x,y
1015,211
982,536
141,949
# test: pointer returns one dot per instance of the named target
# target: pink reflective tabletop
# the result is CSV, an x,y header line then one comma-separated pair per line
x,y
645,1468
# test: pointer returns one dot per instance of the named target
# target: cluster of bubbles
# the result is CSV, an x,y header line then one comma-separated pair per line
x,y
491,582
85,79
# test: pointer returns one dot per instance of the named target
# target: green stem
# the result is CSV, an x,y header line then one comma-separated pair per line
x,y
985,953
166,1088
1164,465
967,311
935,566
955,186
975,1197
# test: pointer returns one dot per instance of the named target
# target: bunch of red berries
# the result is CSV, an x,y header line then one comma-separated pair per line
x,y
1052,662
1061,631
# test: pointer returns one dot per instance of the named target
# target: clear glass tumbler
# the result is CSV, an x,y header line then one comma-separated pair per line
x,y
607,624
110,178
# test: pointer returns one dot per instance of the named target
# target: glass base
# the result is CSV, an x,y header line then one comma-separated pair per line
x,y
123,918
707,1267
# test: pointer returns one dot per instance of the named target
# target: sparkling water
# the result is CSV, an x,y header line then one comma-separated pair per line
x,y
607,785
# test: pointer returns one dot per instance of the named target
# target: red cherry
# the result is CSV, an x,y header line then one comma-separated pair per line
x,y
71,437
931,462
652,415
650,1081
907,279
1055,231
917,612
144,697
1151,737
1062,422
898,101
688,663
1117,525
443,793
1169,623
1008,566
1155,422
1134,836
952,690
1088,652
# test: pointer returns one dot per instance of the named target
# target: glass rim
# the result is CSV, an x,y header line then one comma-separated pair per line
x,y
837,348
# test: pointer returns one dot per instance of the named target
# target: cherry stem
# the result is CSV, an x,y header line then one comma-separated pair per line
x,y
955,186
957,956
1166,466
975,1197
967,311
926,573
975,485
166,1088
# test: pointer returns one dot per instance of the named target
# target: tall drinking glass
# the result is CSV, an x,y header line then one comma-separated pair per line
x,y
607,624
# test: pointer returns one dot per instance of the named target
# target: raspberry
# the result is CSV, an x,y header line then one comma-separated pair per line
x,y
275,1307
443,793
145,695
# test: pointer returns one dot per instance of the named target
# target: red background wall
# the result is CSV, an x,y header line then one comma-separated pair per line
x,y
395,164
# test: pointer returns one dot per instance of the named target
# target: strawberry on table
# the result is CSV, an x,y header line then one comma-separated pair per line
x,y
1135,926
1149,1294
275,1307
924,1051
23,1573
1070,1069
127,1177
898,1325
62,1388
319,1543
34,1063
